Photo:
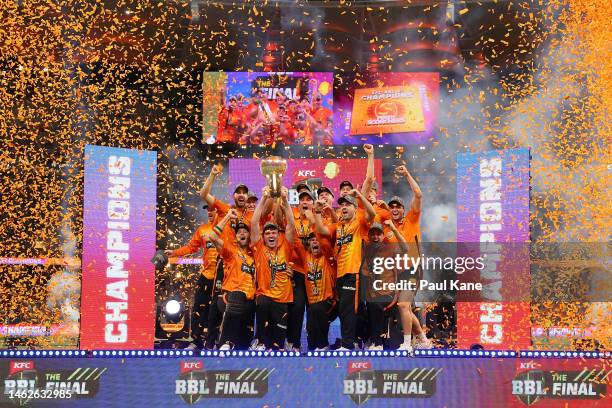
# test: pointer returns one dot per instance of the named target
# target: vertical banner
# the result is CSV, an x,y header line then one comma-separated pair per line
x,y
118,279
493,219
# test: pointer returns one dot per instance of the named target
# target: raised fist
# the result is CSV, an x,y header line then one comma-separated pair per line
x,y
382,204
217,169
369,149
401,170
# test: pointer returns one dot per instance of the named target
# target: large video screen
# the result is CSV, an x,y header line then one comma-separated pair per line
x,y
386,108
264,108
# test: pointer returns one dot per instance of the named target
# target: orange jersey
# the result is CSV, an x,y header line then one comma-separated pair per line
x,y
303,228
238,270
349,237
209,252
410,230
320,276
229,125
382,214
299,136
271,266
322,116
244,216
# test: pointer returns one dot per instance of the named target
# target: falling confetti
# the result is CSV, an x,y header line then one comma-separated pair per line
x,y
130,75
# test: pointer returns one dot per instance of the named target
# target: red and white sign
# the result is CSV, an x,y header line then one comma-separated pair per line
x,y
19,366
493,219
118,279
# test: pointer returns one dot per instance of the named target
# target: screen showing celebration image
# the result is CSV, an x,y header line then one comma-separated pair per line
x,y
264,108
386,108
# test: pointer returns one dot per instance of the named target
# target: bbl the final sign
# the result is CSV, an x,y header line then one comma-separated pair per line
x,y
118,280
240,382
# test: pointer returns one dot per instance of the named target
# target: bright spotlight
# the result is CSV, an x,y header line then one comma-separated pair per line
x,y
173,307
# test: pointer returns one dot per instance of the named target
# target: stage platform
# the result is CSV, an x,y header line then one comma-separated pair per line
x,y
429,378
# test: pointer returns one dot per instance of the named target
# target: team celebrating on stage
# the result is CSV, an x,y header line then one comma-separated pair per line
x,y
261,121
267,265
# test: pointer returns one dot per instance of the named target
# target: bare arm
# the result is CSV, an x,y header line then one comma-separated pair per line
x,y
205,192
215,237
290,232
367,183
329,210
319,226
369,210
415,204
255,230
398,235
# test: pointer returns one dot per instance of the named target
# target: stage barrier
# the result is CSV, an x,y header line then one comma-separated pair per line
x,y
179,378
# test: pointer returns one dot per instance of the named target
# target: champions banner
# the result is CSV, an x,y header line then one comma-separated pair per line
x,y
315,172
305,381
118,279
386,107
493,208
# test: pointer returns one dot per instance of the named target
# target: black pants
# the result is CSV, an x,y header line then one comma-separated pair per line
x,y
296,311
199,315
214,317
320,315
271,320
378,318
347,305
237,324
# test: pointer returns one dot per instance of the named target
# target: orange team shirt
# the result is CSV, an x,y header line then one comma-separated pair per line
x,y
271,266
348,237
244,216
300,136
322,116
227,130
303,228
409,228
320,272
238,270
382,214
209,252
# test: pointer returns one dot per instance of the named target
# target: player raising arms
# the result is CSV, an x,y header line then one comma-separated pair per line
x,y
317,259
238,287
408,226
240,201
304,224
370,188
348,235
272,251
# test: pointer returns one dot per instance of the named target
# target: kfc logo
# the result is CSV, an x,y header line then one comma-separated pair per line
x,y
18,366
306,173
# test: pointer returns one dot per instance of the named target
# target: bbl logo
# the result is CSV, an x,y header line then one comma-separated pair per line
x,y
363,383
25,384
194,383
531,386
